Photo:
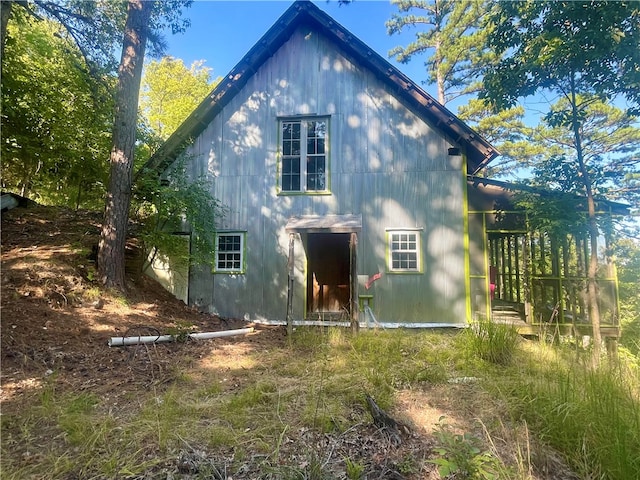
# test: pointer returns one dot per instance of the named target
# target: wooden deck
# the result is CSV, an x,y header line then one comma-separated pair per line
x,y
513,315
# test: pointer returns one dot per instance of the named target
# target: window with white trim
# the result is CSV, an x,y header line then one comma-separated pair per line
x,y
404,251
304,163
230,252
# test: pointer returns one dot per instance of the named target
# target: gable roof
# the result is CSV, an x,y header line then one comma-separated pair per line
x,y
304,13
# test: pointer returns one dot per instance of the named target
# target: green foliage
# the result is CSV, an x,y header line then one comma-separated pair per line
x,y
55,117
564,47
175,203
627,255
181,331
171,91
494,342
259,400
461,455
591,415
579,52
507,131
554,213
96,28
610,141
452,38
93,27
355,470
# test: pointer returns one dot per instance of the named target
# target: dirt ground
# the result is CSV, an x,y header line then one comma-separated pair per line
x,y
55,319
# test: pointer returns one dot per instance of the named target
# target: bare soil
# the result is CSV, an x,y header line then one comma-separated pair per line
x,y
55,318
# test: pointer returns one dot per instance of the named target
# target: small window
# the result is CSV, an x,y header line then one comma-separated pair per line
x,y
404,251
230,252
304,165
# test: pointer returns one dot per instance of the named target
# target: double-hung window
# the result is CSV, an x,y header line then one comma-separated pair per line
x,y
304,162
230,252
404,251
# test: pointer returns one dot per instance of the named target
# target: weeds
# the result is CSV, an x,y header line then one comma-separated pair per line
x,y
355,470
494,342
294,396
592,415
463,455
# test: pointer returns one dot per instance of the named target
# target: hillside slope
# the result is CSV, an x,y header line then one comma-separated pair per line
x,y
55,318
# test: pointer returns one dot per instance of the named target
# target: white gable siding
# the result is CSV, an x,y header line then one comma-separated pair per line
x,y
385,163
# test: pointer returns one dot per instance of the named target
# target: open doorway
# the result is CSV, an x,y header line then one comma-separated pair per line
x,y
328,279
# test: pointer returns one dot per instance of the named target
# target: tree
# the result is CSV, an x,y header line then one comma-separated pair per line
x,y
93,27
578,51
453,37
113,234
55,117
627,252
144,20
454,45
169,94
508,132
171,91
610,142
162,204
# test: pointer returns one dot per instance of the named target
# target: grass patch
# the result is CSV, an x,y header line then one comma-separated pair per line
x,y
591,415
493,342
528,396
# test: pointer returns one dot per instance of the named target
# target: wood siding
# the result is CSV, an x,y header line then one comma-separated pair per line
x,y
385,163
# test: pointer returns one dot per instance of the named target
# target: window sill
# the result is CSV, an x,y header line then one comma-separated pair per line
x,y
304,194
404,272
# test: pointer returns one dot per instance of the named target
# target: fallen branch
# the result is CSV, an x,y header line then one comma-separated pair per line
x,y
384,421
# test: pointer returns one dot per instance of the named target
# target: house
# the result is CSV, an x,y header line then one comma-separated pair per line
x,y
346,186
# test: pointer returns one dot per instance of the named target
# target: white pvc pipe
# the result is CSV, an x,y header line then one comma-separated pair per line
x,y
122,341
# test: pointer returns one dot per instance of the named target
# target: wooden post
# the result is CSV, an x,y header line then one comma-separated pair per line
x,y
528,271
290,273
353,276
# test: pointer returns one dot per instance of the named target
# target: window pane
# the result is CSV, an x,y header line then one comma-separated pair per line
x,y
287,131
317,129
229,252
291,174
316,173
303,141
404,251
311,146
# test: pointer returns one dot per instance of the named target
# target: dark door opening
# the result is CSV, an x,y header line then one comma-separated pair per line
x,y
328,279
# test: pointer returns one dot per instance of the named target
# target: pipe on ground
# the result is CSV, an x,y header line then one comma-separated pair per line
x,y
124,341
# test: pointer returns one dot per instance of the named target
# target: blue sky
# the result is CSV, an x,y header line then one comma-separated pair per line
x,y
223,31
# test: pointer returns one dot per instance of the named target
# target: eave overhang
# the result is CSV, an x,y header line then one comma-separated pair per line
x,y
507,191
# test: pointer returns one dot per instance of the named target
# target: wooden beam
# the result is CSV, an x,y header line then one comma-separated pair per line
x,y
290,272
353,277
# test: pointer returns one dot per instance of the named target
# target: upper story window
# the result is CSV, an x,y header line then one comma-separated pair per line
x,y
404,251
304,163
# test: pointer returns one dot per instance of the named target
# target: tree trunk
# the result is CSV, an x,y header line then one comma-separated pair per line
x,y
592,271
5,12
111,249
